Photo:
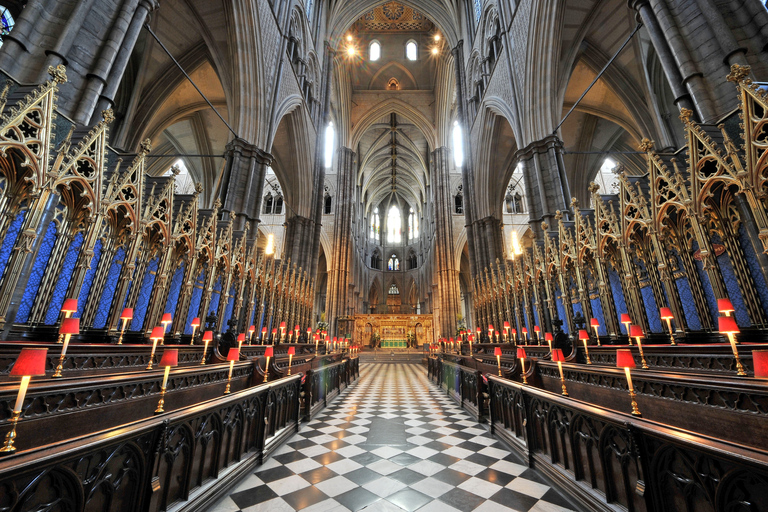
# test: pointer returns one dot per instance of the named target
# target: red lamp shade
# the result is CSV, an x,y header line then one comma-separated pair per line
x,y
583,335
335,339
157,333
282,325
127,314
490,327
724,305
167,318
536,329
291,351
506,325
625,319
233,354
471,338
514,331
497,351
666,313
263,330
309,331
252,329
635,331
195,322
70,326
208,336
296,328
594,322
317,337
451,340
70,306
241,337
557,355
170,357
31,362
274,331
727,325
463,332
525,330
548,336
624,359
269,352
759,361
478,330
521,353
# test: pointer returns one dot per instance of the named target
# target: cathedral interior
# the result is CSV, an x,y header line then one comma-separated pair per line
x,y
342,255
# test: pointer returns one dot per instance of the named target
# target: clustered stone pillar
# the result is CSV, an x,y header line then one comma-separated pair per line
x,y
243,183
445,262
29,49
340,272
546,184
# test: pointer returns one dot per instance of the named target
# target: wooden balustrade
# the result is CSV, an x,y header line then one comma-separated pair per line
x,y
610,460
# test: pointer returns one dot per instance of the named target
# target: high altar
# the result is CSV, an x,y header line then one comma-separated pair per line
x,y
393,329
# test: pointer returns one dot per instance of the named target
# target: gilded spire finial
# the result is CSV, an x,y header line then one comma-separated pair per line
x,y
145,147
685,115
108,115
593,187
58,73
738,73
647,144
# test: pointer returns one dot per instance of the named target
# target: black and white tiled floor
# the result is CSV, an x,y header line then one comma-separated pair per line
x,y
392,442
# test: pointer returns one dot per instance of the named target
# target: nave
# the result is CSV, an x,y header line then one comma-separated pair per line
x,y
391,442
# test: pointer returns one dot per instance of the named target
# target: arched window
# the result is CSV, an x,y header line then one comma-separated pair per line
x,y
375,260
413,262
394,226
393,263
268,203
458,202
413,225
327,204
375,226
410,225
393,290
478,4
330,134
411,50
374,51
6,23
308,4
606,179
278,209
458,148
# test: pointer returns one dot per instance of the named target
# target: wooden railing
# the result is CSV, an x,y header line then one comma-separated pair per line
x,y
612,461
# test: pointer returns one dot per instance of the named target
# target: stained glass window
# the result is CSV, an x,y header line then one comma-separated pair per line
x,y
375,225
411,50
394,225
36,275
309,4
458,148
88,280
478,4
174,290
393,290
140,310
330,135
374,51
194,302
102,313
60,289
6,23
393,263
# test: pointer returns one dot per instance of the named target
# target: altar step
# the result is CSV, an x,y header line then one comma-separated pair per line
x,y
391,356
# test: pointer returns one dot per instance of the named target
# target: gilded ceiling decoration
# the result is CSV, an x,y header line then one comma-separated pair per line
x,y
392,17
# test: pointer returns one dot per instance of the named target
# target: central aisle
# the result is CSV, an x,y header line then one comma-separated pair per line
x,y
392,442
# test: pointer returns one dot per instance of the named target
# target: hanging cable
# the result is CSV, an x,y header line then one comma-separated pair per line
x,y
146,26
554,132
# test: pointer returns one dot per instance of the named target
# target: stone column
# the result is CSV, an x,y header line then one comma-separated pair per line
x,y
546,184
339,274
467,175
675,79
445,262
319,171
243,183
298,233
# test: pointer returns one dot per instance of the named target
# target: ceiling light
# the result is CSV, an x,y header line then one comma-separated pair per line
x,y
435,50
349,37
351,51
437,37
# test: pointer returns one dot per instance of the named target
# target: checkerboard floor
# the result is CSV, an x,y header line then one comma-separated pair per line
x,y
392,442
